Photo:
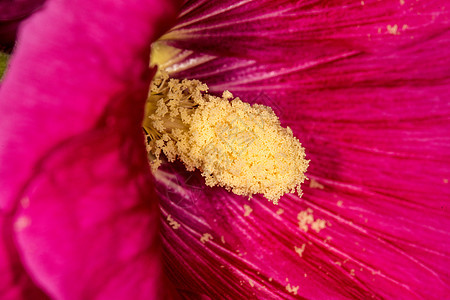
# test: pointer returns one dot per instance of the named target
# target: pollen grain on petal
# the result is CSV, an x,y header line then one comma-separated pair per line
x,y
393,29
292,289
251,282
306,221
247,210
206,237
21,223
300,250
238,146
314,184
174,224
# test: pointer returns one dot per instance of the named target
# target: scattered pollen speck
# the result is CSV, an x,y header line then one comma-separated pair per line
x,y
445,180
280,211
392,29
22,223
222,239
315,184
300,250
174,224
270,279
318,225
206,237
252,284
402,2
248,210
306,221
238,146
362,2
305,218
292,289
339,203
352,272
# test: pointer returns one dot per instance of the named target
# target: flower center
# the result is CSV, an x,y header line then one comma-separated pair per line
x,y
235,145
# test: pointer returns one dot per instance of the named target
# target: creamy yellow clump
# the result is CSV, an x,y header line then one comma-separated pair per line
x,y
238,146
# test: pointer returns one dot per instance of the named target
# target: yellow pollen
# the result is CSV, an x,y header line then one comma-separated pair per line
x,y
300,250
206,237
247,210
292,289
174,224
306,220
280,211
314,184
21,223
392,29
252,284
238,146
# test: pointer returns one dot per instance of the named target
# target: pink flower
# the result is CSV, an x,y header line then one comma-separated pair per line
x,y
366,88
12,13
79,218
364,85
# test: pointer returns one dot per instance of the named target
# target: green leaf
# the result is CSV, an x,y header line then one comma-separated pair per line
x,y
3,63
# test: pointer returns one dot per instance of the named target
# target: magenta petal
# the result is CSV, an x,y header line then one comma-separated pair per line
x,y
370,102
15,283
12,14
73,80
90,229
273,30
73,163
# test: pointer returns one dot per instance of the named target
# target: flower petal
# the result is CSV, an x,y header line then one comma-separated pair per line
x,y
368,97
75,177
12,13
92,218
272,30
15,282
75,69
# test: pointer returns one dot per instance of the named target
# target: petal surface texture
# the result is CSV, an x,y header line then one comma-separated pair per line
x,y
78,209
15,283
12,14
364,85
